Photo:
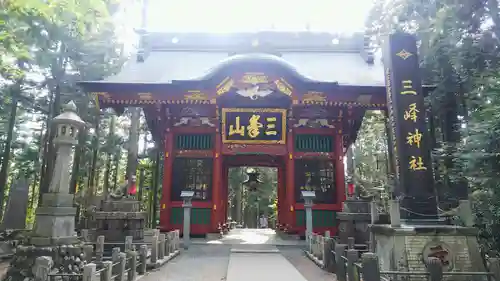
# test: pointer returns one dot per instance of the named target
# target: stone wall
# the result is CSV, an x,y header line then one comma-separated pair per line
x,y
68,259
405,248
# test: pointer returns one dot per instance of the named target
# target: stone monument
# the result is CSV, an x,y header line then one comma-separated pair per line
x,y
17,206
354,220
54,231
117,216
416,232
117,219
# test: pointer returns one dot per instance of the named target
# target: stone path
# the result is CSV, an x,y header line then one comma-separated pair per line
x,y
305,266
4,266
262,267
199,263
245,236
241,256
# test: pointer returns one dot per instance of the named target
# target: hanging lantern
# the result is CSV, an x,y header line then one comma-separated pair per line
x,y
252,180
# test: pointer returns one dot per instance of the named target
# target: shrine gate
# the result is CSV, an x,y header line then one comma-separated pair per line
x,y
294,101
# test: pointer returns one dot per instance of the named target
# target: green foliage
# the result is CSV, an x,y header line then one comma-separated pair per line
x,y
45,48
459,52
370,157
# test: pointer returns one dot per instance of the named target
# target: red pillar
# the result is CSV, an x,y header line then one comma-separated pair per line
x,y
290,180
225,196
165,206
281,195
217,200
339,165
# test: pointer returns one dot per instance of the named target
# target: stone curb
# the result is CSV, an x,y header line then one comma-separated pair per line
x,y
164,260
314,259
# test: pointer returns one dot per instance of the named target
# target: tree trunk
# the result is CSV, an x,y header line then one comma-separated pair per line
x,y
45,147
95,154
109,155
350,162
38,167
133,147
79,151
115,173
107,174
8,144
155,189
239,199
51,150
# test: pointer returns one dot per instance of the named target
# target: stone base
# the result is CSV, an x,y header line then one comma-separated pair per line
x,y
122,205
66,259
55,218
405,248
53,241
116,220
356,225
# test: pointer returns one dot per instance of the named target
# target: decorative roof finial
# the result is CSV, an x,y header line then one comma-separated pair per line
x,y
69,107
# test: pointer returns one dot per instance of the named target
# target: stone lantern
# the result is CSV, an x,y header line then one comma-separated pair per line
x,y
187,196
53,242
308,196
55,218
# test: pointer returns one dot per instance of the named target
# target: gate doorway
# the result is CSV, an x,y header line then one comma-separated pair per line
x,y
247,203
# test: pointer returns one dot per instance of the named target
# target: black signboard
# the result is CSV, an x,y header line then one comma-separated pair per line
x,y
408,130
253,125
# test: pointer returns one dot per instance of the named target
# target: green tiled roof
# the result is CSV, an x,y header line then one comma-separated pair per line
x,y
320,57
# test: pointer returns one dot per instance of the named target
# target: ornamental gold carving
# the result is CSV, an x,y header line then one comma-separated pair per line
x,y
283,87
254,78
195,96
314,97
104,95
145,96
225,86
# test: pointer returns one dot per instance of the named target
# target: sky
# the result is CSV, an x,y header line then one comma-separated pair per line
x,y
253,15
223,16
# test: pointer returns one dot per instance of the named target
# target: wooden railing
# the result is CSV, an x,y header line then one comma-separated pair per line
x,y
120,266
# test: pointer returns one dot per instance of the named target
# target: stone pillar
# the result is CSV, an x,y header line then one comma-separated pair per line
x,y
308,204
394,213
408,130
42,267
187,196
55,218
309,218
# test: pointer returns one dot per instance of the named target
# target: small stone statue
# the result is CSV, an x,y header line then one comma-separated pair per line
x,y
126,190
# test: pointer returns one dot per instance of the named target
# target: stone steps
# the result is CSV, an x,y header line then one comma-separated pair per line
x,y
255,248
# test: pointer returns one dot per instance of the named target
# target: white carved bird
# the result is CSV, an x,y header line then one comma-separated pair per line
x,y
254,91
